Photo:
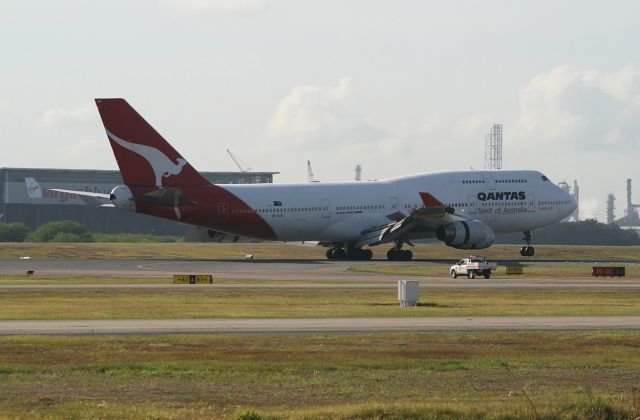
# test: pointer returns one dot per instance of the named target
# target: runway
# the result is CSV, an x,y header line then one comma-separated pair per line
x,y
314,325
276,274
287,274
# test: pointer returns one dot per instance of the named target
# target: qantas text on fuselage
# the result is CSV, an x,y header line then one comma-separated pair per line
x,y
464,209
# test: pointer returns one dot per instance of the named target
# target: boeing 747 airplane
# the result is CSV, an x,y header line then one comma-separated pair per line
x,y
463,209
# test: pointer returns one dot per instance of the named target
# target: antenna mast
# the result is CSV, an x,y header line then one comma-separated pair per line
x,y
493,148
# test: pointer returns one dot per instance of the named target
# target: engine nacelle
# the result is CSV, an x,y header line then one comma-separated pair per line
x,y
222,237
122,197
466,235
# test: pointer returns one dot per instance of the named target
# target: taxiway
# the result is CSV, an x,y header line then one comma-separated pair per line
x,y
313,325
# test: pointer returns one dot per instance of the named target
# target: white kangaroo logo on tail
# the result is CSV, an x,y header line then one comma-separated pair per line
x,y
161,164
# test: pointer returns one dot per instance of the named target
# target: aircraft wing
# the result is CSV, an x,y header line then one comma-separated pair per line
x,y
420,223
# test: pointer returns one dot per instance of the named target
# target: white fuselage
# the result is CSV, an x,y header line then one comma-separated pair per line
x,y
507,201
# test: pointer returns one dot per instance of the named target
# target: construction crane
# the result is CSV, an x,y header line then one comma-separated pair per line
x,y
310,176
233,158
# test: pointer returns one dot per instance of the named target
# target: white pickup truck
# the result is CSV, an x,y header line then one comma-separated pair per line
x,y
472,267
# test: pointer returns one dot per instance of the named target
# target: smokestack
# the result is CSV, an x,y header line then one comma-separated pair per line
x,y
629,203
358,170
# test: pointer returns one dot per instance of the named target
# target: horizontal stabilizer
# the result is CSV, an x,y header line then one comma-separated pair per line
x,y
90,198
167,197
83,193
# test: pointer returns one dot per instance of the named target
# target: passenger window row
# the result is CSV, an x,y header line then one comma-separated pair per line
x,y
279,210
551,203
364,207
511,181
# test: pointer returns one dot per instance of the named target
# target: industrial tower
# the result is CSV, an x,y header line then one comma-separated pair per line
x,y
575,193
611,199
493,148
631,217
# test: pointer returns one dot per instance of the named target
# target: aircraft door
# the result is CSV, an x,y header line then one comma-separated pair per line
x,y
223,212
393,205
325,208
490,182
472,208
531,203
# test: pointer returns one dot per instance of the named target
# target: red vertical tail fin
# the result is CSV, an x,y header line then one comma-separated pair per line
x,y
144,157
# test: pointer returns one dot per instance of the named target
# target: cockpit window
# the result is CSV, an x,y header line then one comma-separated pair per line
x,y
544,178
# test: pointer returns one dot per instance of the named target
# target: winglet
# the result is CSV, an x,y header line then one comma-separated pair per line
x,y
429,200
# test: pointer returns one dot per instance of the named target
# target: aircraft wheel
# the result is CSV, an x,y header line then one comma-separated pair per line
x,y
394,254
338,254
454,275
527,251
359,254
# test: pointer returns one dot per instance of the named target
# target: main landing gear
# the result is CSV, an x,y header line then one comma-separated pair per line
x,y
528,250
398,254
338,253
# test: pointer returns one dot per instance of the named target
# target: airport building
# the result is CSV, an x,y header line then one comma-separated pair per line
x,y
26,196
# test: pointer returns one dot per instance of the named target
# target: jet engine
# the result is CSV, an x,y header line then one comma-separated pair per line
x,y
122,198
466,235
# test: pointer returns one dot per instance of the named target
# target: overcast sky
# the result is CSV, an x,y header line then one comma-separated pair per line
x,y
397,86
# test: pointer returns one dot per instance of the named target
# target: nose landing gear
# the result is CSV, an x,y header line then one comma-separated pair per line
x,y
527,250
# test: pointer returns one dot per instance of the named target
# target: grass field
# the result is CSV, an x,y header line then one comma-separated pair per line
x,y
433,375
501,375
291,251
307,303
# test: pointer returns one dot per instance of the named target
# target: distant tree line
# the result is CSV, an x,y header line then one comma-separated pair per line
x,y
70,231
584,232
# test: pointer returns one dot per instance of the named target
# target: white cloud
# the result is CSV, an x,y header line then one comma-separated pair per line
x,y
67,116
571,120
222,7
324,122
583,124
583,109
315,115
592,208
